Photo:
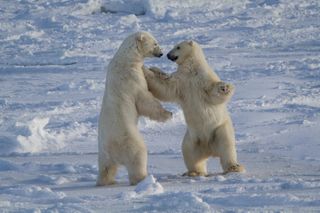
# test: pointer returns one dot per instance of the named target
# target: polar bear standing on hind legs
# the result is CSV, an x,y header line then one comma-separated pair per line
x,y
126,97
203,97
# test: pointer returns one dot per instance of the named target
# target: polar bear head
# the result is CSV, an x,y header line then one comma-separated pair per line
x,y
147,45
184,50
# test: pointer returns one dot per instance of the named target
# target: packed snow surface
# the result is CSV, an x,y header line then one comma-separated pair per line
x,y
52,75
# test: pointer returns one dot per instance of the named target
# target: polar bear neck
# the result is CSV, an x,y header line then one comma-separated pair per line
x,y
196,63
129,53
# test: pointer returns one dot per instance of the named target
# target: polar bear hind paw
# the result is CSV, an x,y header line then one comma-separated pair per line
x,y
165,115
104,183
235,168
194,174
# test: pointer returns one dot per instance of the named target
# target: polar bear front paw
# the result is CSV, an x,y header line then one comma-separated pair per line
x,y
158,73
225,89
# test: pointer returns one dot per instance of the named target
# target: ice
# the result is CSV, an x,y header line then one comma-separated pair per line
x,y
52,79
149,186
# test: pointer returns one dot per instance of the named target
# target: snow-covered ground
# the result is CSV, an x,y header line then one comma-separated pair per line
x,y
52,59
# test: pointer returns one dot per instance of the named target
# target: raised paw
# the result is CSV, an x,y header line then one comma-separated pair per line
x,y
147,72
225,88
158,72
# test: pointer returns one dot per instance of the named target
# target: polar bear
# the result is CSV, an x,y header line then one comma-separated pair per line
x,y
126,97
203,97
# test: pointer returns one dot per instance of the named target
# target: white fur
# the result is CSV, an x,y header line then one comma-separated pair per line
x,y
203,97
126,97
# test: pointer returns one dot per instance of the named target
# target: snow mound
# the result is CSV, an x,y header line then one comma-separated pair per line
x,y
158,9
92,6
149,186
35,137
176,202
136,7
130,21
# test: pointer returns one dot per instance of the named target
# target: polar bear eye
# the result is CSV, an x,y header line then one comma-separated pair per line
x,y
155,44
178,48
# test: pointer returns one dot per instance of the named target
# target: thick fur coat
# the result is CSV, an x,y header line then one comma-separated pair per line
x,y
203,98
126,97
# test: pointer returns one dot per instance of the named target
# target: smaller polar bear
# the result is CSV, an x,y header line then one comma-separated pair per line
x,y
126,97
203,97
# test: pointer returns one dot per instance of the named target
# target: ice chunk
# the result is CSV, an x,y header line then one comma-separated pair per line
x,y
149,186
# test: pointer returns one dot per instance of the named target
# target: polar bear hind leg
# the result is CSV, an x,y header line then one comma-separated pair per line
x,y
224,145
131,152
195,157
107,173
137,167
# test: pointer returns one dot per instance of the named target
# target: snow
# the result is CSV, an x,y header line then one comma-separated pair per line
x,y
149,186
52,78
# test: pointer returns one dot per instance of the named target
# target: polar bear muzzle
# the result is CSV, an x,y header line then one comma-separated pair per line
x,y
158,54
172,57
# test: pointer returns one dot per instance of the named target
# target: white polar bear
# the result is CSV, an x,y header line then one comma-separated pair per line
x,y
202,96
126,97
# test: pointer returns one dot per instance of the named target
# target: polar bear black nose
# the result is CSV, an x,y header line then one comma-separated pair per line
x,y
161,54
172,57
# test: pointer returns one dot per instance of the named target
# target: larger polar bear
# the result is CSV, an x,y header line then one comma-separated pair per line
x,y
203,97
126,97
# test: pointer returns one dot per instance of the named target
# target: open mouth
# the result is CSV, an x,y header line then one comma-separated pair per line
x,y
172,58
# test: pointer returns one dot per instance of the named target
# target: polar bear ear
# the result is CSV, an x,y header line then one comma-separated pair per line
x,y
191,43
